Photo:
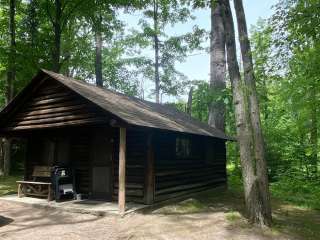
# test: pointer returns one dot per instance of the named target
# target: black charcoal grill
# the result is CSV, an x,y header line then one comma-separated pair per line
x,y
63,183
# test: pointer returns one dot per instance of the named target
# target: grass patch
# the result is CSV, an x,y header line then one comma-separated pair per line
x,y
233,216
8,184
295,206
294,220
189,206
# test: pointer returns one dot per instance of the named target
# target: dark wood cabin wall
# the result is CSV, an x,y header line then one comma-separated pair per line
x,y
40,152
54,105
136,155
80,151
32,158
176,176
81,148
217,158
102,162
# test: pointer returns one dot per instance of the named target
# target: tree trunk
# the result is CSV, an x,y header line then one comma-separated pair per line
x,y
189,105
33,28
255,204
258,140
1,157
98,60
7,157
57,37
11,73
156,51
217,66
11,76
314,131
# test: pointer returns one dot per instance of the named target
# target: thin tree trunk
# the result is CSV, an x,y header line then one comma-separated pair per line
x,y
156,51
189,105
255,204
98,60
33,30
11,73
57,37
7,157
1,156
32,18
264,217
217,66
314,132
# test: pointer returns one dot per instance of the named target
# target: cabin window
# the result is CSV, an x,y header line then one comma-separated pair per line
x,y
183,147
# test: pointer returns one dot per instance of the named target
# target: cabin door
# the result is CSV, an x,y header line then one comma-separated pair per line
x,y
101,166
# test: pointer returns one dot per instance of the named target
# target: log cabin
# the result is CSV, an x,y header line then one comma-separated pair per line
x,y
121,148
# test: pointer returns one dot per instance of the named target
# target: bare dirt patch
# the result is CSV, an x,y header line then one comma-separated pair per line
x,y
206,216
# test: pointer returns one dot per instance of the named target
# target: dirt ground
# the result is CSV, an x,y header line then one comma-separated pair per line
x,y
26,222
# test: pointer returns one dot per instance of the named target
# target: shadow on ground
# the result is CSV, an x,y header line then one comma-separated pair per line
x,y
5,221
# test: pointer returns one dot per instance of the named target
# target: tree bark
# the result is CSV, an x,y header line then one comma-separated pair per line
x,y
255,204
156,51
217,66
189,104
314,131
11,76
7,157
57,36
98,60
258,140
1,157
11,73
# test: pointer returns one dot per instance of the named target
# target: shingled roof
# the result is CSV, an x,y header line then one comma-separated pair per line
x,y
135,111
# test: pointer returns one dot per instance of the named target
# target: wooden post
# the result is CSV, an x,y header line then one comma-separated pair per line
x,y
122,172
19,190
149,173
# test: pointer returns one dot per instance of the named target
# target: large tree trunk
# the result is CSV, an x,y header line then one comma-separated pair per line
x,y
156,51
258,140
11,76
255,204
217,67
98,60
57,37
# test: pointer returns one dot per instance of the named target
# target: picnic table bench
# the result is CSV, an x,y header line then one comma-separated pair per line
x,y
35,187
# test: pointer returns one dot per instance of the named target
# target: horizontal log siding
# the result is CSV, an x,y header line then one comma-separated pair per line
x,y
80,158
178,176
136,154
53,105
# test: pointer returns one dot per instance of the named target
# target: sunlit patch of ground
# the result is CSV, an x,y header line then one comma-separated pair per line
x,y
290,221
8,184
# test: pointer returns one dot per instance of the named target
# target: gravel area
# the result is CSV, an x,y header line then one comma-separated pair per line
x,y
26,222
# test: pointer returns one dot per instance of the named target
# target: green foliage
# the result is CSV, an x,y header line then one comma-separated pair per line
x,y
35,42
157,17
286,56
295,189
